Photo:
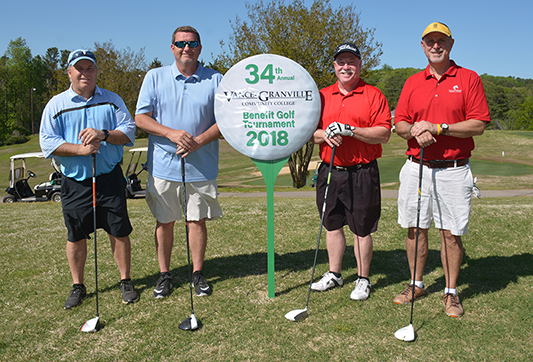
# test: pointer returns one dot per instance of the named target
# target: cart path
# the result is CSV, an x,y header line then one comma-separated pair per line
x,y
386,194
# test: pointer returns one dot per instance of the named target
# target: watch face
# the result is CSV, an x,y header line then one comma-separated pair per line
x,y
444,126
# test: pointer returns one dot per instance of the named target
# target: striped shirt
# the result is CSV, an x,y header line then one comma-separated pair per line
x,y
68,113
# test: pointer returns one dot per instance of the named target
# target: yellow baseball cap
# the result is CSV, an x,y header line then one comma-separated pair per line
x,y
438,27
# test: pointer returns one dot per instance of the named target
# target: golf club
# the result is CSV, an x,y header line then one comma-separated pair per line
x,y
408,334
299,314
93,325
190,323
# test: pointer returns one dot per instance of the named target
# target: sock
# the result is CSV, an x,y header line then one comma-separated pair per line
x,y
81,285
418,283
365,278
450,290
337,275
165,274
125,280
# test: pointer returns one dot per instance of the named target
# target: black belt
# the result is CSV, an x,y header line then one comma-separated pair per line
x,y
347,168
441,163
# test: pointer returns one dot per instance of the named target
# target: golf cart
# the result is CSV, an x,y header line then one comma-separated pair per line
x,y
133,184
315,175
19,189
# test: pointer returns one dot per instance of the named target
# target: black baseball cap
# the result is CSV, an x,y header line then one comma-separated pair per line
x,y
347,47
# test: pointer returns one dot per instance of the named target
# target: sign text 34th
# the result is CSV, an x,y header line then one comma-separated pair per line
x,y
269,73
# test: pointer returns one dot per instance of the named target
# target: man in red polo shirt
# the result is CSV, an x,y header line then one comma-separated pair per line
x,y
440,109
356,119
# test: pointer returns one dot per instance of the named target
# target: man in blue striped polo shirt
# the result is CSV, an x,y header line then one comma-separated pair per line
x,y
82,121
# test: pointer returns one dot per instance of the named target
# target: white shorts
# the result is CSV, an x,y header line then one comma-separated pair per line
x,y
165,199
446,195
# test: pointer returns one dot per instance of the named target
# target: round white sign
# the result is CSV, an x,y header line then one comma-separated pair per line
x,y
267,106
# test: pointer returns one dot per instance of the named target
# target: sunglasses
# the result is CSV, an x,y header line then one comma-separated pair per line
x,y
191,44
81,53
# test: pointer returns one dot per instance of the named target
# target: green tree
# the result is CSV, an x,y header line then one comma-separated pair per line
x,y
121,71
523,116
4,76
390,81
308,35
19,62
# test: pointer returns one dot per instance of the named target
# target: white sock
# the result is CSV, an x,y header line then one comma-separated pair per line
x,y
449,290
418,283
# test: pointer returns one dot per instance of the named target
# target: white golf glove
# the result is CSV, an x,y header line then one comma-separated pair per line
x,y
475,190
338,128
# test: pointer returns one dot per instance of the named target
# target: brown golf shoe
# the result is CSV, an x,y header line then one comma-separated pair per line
x,y
452,305
406,296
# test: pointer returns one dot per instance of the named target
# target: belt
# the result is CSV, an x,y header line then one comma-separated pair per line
x,y
346,168
441,163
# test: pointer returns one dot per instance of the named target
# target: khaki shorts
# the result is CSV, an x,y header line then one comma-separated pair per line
x,y
445,197
165,200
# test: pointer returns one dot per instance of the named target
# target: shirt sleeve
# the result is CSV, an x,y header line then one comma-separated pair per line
x,y
49,135
477,107
125,122
145,102
380,112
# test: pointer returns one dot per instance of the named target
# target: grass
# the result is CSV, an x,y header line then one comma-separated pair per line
x,y
240,322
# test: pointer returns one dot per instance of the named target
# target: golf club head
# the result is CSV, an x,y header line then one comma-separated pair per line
x,y
297,315
406,334
92,325
189,324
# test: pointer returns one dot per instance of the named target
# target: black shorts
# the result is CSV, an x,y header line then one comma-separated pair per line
x,y
354,198
111,207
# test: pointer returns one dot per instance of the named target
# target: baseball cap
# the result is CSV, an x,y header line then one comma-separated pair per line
x,y
80,54
438,27
347,47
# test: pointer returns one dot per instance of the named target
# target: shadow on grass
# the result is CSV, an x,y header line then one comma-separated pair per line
x,y
483,275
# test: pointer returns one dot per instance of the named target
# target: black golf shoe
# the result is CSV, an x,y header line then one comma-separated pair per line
x,y
129,294
163,286
77,295
201,287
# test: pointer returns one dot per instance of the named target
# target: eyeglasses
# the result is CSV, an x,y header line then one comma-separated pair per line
x,y
81,53
191,44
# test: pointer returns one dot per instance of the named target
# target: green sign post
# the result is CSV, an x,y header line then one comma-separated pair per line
x,y
270,171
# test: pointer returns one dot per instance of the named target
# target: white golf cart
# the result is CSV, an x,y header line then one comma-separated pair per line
x,y
133,184
19,189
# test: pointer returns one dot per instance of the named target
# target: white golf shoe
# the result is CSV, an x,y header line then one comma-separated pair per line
x,y
361,290
328,281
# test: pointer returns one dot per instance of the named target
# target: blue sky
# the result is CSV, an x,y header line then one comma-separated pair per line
x,y
491,36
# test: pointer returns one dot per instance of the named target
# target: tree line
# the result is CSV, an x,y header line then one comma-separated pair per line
x,y
308,35
28,82
510,99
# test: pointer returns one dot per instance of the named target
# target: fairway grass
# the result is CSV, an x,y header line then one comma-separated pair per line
x,y
239,321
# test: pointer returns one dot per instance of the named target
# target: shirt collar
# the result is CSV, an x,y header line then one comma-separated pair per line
x,y
358,88
176,73
451,72
73,95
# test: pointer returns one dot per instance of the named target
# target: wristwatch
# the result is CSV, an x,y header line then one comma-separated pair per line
x,y
106,135
444,128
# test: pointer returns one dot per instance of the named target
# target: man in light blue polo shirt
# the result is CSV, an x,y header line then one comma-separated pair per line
x,y
176,108
82,121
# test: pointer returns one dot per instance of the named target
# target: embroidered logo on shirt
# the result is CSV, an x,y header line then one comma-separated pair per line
x,y
455,89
